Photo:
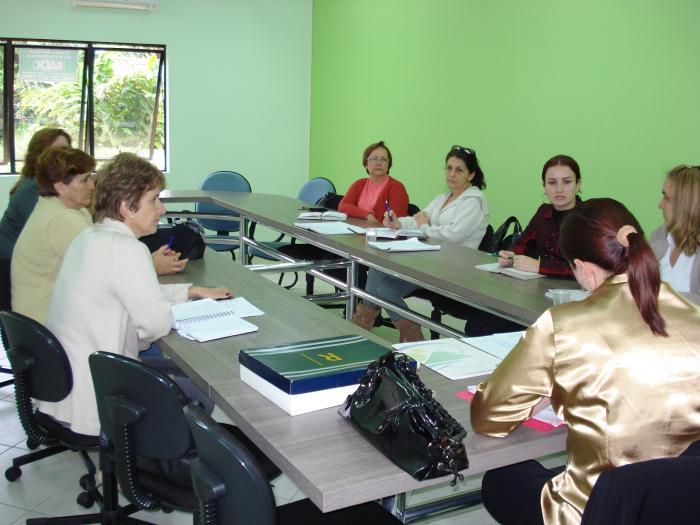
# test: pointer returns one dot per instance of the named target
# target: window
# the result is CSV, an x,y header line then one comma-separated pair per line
x,y
108,97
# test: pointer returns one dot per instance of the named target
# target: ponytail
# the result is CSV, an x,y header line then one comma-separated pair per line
x,y
604,232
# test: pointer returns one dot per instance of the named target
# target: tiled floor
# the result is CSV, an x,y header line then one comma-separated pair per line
x,y
49,487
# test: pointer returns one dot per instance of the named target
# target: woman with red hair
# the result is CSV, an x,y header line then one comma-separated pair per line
x,y
621,368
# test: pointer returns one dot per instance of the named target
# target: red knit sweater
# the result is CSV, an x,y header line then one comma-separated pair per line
x,y
394,192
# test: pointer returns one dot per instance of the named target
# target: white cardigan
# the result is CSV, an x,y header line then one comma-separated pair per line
x,y
463,221
106,297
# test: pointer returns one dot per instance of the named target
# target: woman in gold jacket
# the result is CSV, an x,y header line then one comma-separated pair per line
x,y
622,368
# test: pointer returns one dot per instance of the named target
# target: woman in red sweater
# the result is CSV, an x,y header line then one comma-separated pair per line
x,y
368,198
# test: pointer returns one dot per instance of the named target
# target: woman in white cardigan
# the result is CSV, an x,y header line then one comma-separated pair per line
x,y
107,296
459,216
676,244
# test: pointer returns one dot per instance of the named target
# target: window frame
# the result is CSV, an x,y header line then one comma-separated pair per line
x,y
86,135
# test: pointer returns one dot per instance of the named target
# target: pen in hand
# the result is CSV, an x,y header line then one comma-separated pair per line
x,y
389,213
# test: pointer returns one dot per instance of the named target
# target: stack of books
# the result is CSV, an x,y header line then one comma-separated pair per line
x,y
309,375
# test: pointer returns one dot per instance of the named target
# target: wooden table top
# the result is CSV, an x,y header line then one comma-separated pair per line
x,y
320,451
450,271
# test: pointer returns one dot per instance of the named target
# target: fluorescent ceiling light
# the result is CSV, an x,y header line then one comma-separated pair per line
x,y
134,5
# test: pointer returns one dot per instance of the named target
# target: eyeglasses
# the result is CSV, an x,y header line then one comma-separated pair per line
x,y
465,150
377,159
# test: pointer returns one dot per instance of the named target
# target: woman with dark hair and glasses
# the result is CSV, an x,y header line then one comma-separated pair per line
x,y
537,250
368,197
677,243
620,367
460,216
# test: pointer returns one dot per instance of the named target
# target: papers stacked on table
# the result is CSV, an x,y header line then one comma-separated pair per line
x,y
409,245
328,215
330,228
206,319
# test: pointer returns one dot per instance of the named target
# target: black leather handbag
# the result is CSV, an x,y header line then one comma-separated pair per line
x,y
500,239
183,237
399,415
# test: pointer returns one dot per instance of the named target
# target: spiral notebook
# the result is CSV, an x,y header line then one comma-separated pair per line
x,y
206,319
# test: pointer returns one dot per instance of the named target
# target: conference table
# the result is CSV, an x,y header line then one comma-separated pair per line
x,y
321,452
450,271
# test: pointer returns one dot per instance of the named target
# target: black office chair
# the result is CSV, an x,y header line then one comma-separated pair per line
x,y
5,304
42,372
140,412
232,488
649,492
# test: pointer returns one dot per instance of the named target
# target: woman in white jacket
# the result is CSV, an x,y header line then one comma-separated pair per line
x,y
459,216
107,296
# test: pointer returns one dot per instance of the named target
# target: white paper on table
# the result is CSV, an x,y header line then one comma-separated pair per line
x,y
241,307
409,245
498,345
330,228
450,357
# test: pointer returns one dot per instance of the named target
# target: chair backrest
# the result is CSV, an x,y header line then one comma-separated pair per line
x,y
5,284
315,189
40,367
35,353
226,478
221,181
140,411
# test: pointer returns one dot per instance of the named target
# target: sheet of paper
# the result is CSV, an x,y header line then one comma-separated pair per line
x,y
330,228
192,309
450,357
409,245
512,272
498,345
241,307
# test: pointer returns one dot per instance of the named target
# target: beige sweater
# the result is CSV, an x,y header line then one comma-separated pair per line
x,y
106,297
39,252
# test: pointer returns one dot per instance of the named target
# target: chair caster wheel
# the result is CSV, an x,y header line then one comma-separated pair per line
x,y
13,473
86,500
32,445
87,482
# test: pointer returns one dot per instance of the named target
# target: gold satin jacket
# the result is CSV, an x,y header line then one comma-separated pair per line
x,y
626,394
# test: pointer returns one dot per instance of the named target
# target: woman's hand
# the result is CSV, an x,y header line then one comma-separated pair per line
x,y
505,258
200,292
391,220
373,221
526,264
421,218
167,261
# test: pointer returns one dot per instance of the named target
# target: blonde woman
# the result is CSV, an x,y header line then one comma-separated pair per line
x,y
676,244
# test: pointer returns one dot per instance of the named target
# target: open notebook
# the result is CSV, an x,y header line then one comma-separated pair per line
x,y
506,270
206,319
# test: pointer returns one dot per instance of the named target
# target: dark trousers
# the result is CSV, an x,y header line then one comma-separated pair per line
x,y
512,494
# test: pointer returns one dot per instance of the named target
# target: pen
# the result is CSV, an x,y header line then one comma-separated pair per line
x,y
171,239
387,208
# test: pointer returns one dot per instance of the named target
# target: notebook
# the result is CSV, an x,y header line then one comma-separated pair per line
x,y
330,228
206,319
506,270
389,233
329,215
409,245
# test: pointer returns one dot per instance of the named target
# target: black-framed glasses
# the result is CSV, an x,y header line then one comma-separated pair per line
x,y
465,150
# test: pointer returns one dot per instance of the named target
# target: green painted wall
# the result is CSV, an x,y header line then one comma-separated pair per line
x,y
614,83
239,79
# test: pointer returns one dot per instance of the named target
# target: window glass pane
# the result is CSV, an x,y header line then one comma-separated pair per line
x,y
48,83
125,100
4,160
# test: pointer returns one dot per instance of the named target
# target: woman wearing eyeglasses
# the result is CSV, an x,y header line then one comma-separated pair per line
x,y
367,198
459,216
537,250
